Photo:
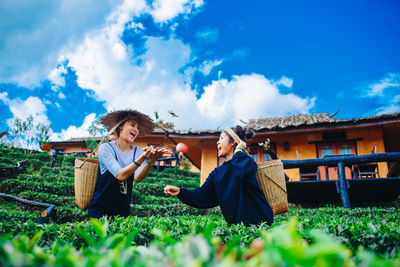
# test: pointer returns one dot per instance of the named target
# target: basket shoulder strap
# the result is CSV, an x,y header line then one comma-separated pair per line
x,y
115,152
134,158
108,135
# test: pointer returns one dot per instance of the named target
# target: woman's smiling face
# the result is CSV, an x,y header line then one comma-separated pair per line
x,y
224,145
129,131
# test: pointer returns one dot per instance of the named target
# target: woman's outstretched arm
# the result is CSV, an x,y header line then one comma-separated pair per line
x,y
202,197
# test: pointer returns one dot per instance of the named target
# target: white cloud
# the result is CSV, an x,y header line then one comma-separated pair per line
x,y
61,95
4,97
209,35
57,76
387,93
137,27
247,97
208,65
104,64
73,131
391,80
285,81
31,106
393,108
241,53
165,10
32,34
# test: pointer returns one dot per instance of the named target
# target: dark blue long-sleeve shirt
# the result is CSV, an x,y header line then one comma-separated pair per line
x,y
234,187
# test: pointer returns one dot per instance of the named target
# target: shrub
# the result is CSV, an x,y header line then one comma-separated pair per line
x,y
282,246
34,164
15,186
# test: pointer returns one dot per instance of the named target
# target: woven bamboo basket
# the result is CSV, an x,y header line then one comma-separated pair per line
x,y
271,178
86,170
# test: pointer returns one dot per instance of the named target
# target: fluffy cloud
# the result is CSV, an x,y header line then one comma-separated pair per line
x,y
157,79
73,131
4,97
165,10
208,35
285,81
106,65
208,65
393,108
57,76
32,34
248,97
387,93
23,109
391,80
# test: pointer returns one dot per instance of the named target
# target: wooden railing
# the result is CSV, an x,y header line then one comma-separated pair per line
x,y
341,161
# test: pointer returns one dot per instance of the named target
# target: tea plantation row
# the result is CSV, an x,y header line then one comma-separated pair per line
x,y
376,229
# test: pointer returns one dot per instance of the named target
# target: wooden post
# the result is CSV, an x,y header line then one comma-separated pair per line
x,y
343,186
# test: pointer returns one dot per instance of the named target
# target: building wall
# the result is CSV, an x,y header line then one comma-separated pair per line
x,y
299,143
208,158
78,147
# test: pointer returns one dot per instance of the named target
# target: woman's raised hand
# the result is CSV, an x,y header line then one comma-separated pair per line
x,y
171,191
147,151
160,153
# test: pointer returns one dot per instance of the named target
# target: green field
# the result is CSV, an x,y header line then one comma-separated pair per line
x,y
164,232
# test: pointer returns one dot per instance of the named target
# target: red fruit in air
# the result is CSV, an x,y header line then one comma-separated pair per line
x,y
181,147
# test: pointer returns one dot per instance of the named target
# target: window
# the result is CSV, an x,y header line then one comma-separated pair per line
x,y
336,148
345,149
326,150
332,149
253,152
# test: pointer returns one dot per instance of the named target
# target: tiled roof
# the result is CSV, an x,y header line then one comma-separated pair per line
x,y
289,121
275,123
305,120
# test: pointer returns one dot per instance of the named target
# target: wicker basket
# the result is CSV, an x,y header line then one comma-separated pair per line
x,y
85,180
271,178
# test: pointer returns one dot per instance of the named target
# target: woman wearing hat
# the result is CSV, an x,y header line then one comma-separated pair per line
x,y
121,163
233,185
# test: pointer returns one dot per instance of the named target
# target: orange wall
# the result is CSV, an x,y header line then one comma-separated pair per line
x,y
208,158
299,142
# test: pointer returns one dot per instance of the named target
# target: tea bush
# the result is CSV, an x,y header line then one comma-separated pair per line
x,y
374,229
282,246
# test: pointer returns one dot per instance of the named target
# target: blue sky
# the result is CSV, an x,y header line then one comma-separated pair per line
x,y
211,62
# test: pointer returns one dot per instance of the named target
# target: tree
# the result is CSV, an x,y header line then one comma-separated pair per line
x,y
97,128
28,134
91,144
